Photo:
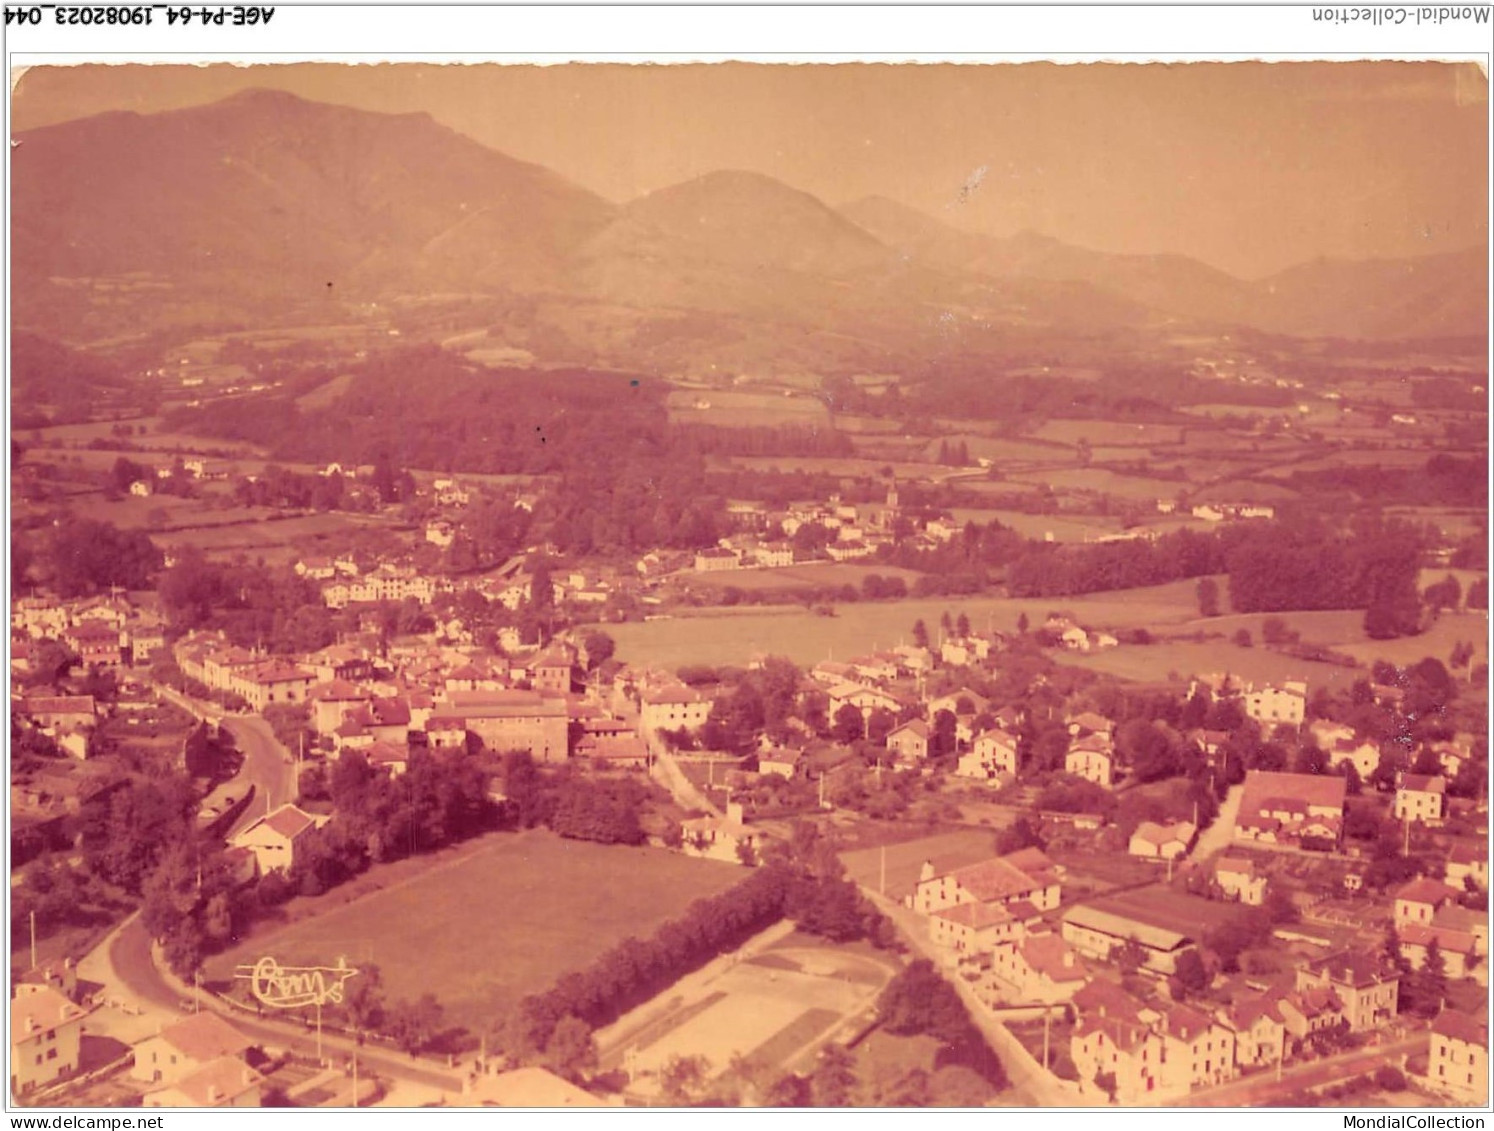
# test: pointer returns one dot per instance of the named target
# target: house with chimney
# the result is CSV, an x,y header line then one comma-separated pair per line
x,y
186,1047
1297,810
972,929
1458,1058
1155,841
276,838
1418,901
992,754
910,742
1039,968
226,1082
1027,876
1259,1030
1421,798
1239,879
1367,988
46,1035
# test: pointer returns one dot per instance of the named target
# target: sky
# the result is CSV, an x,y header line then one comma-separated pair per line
x,y
1250,167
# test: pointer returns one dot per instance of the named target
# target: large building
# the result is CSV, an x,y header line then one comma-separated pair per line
x,y
512,720
1299,810
1019,877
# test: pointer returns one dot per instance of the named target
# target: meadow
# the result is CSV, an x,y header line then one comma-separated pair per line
x,y
496,923
1109,432
1106,482
732,636
810,575
745,410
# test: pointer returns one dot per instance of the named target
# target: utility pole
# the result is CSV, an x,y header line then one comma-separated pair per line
x,y
33,940
882,877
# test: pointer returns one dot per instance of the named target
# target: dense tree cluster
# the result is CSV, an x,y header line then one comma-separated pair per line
x,y
919,1001
1309,566
253,604
634,970
81,556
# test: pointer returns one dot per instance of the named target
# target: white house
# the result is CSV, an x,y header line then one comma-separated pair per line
x,y
275,837
1162,842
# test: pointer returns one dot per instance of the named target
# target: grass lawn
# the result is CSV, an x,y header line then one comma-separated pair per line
x,y
1106,482
857,628
486,928
805,576
905,860
1156,662
1113,432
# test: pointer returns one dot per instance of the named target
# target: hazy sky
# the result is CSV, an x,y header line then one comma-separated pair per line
x,y
1248,166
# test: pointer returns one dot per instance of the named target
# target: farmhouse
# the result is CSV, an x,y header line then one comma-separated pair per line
x,y
1419,900
1239,879
1468,860
973,928
275,838
1027,876
1090,758
514,720
994,753
1304,810
1038,968
715,560
1272,705
910,742
64,712
673,706
1161,842
1420,797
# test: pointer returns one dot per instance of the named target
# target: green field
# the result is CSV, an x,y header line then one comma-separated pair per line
x,y
1111,432
904,861
745,410
1157,662
1105,482
733,636
806,576
486,928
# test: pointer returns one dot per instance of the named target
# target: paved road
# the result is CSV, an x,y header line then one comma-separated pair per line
x,y
1259,1089
267,765
131,960
1033,1086
1220,834
669,774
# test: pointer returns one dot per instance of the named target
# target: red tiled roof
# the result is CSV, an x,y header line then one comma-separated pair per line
x,y
37,1010
994,880
976,915
1185,1023
205,1037
1462,1027
288,821
1423,783
1053,958
1326,790
1424,890
218,1083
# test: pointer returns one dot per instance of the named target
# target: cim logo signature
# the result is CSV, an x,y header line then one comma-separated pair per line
x,y
292,987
